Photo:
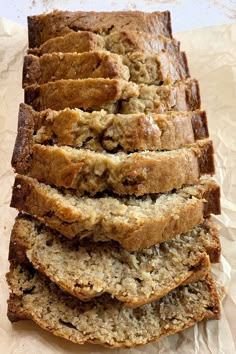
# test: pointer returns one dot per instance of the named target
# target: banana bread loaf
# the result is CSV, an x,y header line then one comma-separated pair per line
x,y
112,249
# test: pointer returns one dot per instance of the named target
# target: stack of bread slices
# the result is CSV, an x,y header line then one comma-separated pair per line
x,y
114,240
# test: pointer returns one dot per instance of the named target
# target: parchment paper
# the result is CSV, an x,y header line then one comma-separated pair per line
x,y
212,58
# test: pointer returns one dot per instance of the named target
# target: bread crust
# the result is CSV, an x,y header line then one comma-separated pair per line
x,y
24,138
57,23
200,126
136,173
213,252
31,197
115,96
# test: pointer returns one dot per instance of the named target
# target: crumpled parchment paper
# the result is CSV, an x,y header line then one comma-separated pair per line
x,y
212,59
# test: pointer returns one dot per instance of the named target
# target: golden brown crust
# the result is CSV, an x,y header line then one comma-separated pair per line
x,y
15,312
24,139
136,173
200,126
57,23
17,250
206,158
213,252
212,195
31,70
133,234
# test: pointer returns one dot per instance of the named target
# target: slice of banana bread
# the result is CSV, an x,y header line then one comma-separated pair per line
x,y
86,269
117,42
135,173
136,223
57,66
115,96
58,23
86,93
99,131
137,67
105,320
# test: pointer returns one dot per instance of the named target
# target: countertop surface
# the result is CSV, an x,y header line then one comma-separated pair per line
x,y
186,14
